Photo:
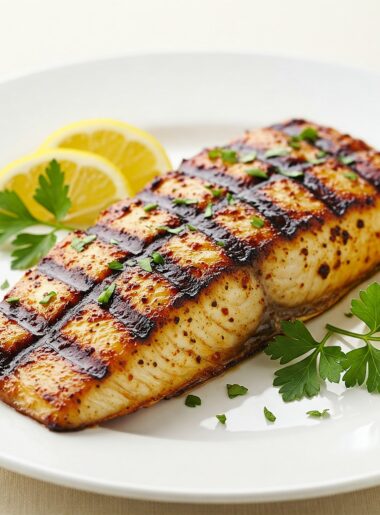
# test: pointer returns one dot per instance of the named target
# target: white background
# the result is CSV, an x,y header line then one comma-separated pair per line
x,y
37,34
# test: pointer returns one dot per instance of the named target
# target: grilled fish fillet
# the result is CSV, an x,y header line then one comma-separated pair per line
x,y
281,233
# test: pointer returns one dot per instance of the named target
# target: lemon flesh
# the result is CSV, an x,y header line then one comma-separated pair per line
x,y
94,183
136,153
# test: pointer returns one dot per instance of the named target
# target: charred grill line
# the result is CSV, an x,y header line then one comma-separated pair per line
x,y
29,320
74,277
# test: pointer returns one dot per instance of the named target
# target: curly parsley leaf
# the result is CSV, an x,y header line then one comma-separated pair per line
x,y
52,192
14,215
303,378
30,248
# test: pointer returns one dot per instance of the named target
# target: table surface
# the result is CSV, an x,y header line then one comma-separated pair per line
x,y
40,34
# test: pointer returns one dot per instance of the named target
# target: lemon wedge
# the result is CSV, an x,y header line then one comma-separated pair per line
x,y
94,183
137,154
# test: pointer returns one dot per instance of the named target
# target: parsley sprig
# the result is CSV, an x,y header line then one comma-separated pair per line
x,y
320,362
53,195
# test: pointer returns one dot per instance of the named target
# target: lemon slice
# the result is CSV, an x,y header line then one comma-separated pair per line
x,y
137,154
94,183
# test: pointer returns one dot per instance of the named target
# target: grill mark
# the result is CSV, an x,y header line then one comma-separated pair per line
x,y
82,358
139,325
338,204
74,277
214,175
28,319
126,242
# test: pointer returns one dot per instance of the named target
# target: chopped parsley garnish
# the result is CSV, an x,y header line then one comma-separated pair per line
x,y
256,172
234,390
249,157
276,152
257,222
48,297
158,258
106,294
208,211
347,160
290,173
230,198
216,192
145,264
318,414
351,175
294,143
269,415
5,285
320,154
191,228
192,401
79,244
115,265
309,134
13,300
220,243
114,242
171,230
222,418
226,155
229,156
150,207
184,201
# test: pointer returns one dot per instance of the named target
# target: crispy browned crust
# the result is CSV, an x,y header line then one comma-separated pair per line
x,y
54,357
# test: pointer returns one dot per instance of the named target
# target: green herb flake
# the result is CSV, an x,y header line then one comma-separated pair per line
x,y
4,285
257,222
347,160
220,243
106,294
48,297
230,198
249,157
276,152
114,242
79,244
208,211
115,265
13,300
351,175
191,228
257,172
171,230
150,207
293,174
184,201
320,154
192,401
222,418
309,134
234,390
318,414
215,191
295,143
228,156
158,258
214,153
269,415
145,264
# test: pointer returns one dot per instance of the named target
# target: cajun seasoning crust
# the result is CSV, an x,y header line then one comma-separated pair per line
x,y
281,247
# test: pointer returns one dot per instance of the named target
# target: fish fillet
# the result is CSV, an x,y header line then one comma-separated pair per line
x,y
278,224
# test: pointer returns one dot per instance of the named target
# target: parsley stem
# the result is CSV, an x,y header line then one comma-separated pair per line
x,y
338,330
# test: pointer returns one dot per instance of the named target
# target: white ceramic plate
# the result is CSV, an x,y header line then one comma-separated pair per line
x,y
170,452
